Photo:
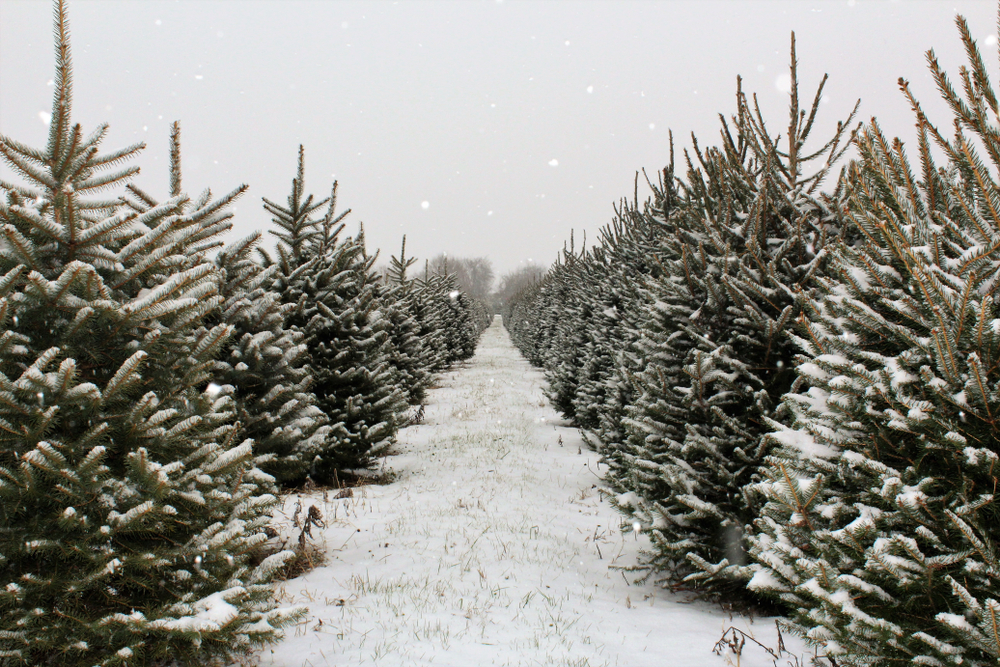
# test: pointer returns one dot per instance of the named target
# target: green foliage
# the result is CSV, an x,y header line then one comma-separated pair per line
x,y
130,506
412,356
881,524
458,318
746,243
337,307
265,365
262,365
669,340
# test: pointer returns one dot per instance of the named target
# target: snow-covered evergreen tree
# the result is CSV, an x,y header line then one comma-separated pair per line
x,y
130,509
633,250
565,315
580,321
263,364
411,356
459,318
881,526
337,307
746,245
431,323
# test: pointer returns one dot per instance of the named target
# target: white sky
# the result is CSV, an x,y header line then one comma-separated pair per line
x,y
515,121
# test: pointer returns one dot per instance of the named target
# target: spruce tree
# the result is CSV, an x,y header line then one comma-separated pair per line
x,y
432,326
566,315
265,364
580,322
633,261
451,312
739,265
881,525
262,365
336,299
130,507
411,358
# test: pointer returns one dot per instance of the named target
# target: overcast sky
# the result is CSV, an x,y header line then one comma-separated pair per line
x,y
473,127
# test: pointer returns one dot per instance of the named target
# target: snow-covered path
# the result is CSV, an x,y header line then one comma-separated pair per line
x,y
493,546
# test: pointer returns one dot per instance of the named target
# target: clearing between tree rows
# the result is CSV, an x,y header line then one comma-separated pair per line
x,y
492,546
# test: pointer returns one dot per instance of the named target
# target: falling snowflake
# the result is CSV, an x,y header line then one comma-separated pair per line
x,y
553,162
783,83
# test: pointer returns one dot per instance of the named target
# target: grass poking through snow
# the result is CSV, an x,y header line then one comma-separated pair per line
x,y
492,546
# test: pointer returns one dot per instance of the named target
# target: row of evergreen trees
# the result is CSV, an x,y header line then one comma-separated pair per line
x,y
157,388
795,389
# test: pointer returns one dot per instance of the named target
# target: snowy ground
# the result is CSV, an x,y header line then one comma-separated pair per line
x,y
493,546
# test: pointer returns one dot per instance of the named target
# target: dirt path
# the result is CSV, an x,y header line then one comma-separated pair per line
x,y
491,547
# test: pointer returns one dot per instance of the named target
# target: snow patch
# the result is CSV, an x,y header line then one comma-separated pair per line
x,y
764,580
212,614
805,443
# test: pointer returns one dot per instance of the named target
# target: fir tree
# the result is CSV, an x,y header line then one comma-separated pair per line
x,y
746,245
262,365
130,508
337,308
881,525
410,357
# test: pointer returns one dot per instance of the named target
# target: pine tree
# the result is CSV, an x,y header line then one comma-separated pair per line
x,y
881,525
262,364
130,508
337,304
746,244
410,357
265,363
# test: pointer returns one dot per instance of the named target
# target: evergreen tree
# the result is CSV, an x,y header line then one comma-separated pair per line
x,y
262,365
634,255
580,321
410,357
432,326
452,313
130,508
747,242
337,305
565,316
881,525
264,362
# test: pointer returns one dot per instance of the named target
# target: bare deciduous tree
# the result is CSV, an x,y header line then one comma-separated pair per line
x,y
474,274
514,281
